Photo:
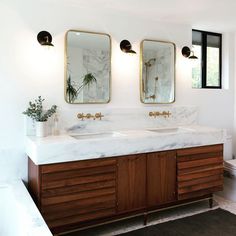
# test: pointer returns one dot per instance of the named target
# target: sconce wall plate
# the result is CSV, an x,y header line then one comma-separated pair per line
x,y
126,47
45,38
186,52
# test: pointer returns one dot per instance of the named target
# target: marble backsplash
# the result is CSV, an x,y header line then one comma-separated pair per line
x,y
132,118
118,119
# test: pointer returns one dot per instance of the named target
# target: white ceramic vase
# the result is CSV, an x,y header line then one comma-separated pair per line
x,y
41,129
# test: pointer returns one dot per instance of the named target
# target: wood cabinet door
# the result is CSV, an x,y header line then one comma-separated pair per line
x,y
161,178
131,183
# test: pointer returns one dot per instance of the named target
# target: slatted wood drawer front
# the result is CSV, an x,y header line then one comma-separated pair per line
x,y
199,171
78,191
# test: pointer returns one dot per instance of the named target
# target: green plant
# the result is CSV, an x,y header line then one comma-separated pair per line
x,y
71,92
35,110
88,80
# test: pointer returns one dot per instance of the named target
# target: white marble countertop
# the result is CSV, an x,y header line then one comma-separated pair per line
x,y
64,148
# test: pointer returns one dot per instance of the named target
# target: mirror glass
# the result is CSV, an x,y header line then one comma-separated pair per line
x,y
87,67
157,72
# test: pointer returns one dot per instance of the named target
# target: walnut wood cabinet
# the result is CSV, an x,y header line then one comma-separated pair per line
x,y
74,192
161,178
71,195
131,183
200,171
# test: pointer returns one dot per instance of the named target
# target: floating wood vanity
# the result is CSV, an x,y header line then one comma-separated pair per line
x,y
77,194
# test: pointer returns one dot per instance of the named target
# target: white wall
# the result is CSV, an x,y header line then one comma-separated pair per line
x,y
27,70
234,126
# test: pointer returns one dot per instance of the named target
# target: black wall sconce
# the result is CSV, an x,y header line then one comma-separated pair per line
x,y
45,38
186,52
126,47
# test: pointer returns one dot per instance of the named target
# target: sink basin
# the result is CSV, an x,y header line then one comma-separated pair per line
x,y
97,135
169,130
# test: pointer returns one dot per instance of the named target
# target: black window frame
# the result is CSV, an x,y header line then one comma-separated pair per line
x,y
204,35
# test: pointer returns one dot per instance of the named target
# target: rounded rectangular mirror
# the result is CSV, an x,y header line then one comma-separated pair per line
x,y
87,67
157,72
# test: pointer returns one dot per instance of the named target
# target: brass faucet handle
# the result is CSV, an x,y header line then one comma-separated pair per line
x,y
158,113
151,114
98,116
80,116
88,116
168,113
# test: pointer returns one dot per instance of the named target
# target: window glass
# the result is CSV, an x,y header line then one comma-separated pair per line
x,y
196,67
206,70
213,61
196,64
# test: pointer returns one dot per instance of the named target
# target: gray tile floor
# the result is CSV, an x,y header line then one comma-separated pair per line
x,y
225,199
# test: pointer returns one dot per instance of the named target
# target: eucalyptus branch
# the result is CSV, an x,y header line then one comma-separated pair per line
x,y
35,110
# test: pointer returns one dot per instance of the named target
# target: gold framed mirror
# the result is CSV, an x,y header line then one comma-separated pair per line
x,y
157,72
87,67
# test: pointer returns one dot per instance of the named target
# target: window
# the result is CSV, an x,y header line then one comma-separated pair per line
x,y
206,72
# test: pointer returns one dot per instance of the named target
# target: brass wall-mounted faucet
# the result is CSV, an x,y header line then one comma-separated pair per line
x,y
158,113
88,116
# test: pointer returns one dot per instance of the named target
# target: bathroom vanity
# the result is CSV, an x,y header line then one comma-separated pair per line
x,y
73,194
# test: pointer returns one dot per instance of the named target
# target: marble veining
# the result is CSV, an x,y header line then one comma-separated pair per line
x,y
118,119
159,76
97,61
55,149
134,118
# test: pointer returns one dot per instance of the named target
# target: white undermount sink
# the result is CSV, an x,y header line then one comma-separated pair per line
x,y
97,135
169,130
